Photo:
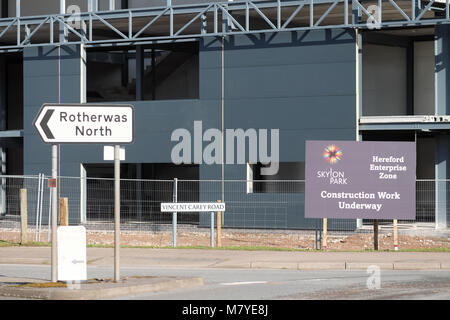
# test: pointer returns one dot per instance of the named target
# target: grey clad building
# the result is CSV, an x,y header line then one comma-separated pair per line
x,y
315,70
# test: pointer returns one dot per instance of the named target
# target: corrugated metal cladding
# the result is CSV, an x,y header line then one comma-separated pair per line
x,y
302,83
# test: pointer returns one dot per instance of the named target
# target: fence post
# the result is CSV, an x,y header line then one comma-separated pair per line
x,y
23,216
83,190
219,228
174,215
324,239
37,231
212,229
40,206
375,235
139,191
63,211
3,183
315,240
318,237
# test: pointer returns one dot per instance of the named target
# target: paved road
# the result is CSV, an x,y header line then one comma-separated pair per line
x,y
239,284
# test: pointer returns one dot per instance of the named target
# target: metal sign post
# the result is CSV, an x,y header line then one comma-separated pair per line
x,y
174,214
212,230
81,124
116,213
54,213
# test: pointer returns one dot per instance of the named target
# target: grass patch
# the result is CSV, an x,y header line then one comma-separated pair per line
x,y
27,244
265,248
8,244
245,248
441,249
43,285
242,248
36,244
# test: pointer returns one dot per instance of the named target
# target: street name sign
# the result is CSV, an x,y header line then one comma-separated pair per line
x,y
85,123
360,180
193,207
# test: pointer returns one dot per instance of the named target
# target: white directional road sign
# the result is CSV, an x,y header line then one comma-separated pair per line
x,y
193,207
85,123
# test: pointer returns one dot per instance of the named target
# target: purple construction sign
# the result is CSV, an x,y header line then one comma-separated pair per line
x,y
360,180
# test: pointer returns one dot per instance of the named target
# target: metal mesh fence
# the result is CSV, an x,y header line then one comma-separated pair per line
x,y
258,213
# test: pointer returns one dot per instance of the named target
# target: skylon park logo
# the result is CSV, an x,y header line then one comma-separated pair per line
x,y
332,154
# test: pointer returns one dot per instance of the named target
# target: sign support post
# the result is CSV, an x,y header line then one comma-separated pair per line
x,y
395,235
375,235
212,230
116,213
324,239
174,214
54,213
219,228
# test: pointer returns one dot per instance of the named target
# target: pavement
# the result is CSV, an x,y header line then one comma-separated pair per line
x,y
92,289
195,258
243,259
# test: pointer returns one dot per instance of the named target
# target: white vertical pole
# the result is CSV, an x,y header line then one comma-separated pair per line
x,y
358,64
37,208
41,195
212,230
174,215
92,5
17,8
18,21
3,182
116,212
63,31
83,195
54,213
112,5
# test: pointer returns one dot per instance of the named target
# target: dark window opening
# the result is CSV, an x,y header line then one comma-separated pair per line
x,y
289,178
157,72
11,105
11,112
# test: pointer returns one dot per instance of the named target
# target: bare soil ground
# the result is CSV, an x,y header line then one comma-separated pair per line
x,y
294,240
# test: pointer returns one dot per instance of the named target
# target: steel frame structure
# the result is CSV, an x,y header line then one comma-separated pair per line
x,y
225,20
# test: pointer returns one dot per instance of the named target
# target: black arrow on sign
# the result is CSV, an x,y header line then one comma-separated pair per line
x,y
44,125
